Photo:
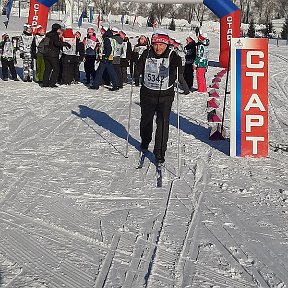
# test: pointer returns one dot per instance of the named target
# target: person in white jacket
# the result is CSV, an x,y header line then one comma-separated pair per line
x,y
25,44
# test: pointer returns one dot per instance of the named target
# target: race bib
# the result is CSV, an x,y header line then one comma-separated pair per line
x,y
90,44
156,73
72,50
8,50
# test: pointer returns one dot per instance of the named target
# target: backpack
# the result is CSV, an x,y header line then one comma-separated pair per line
x,y
43,47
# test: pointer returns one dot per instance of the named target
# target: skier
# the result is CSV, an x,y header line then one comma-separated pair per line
x,y
91,45
25,43
190,55
8,57
158,65
142,45
51,59
40,65
201,62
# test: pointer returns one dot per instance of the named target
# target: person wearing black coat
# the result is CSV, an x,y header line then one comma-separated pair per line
x,y
190,55
80,49
106,58
51,58
158,65
125,56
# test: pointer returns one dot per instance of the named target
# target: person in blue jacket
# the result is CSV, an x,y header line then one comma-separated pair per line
x,y
106,58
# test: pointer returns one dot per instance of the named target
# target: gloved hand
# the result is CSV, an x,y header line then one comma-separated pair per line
x,y
22,55
67,45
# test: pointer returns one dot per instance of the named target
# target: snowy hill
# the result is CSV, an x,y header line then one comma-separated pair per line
x,y
76,213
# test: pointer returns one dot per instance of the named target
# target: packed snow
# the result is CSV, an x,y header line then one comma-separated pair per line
x,y
75,212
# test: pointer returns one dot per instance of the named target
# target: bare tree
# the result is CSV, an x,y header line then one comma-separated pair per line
x,y
281,8
200,10
161,10
143,9
186,11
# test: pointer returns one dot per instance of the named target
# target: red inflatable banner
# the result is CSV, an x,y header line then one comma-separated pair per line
x,y
230,28
38,15
249,97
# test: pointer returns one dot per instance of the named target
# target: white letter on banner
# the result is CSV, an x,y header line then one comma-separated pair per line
x,y
255,141
254,102
255,76
260,65
258,123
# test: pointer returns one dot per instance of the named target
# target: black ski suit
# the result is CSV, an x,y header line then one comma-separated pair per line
x,y
156,96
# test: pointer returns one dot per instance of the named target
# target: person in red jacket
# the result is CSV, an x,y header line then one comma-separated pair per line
x,y
158,65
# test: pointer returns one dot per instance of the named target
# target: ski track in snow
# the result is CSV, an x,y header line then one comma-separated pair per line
x,y
76,213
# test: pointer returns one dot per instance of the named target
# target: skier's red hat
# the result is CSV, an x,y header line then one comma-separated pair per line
x,y
68,33
102,30
160,38
201,37
189,39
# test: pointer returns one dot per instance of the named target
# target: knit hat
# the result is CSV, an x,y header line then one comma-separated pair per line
x,y
68,33
56,26
4,35
90,30
26,27
202,37
40,29
160,37
122,34
189,39
102,30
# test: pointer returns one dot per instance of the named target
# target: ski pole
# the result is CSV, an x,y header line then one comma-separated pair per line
x,y
178,124
129,120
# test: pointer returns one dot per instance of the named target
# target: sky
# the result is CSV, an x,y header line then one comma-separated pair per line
x,y
74,212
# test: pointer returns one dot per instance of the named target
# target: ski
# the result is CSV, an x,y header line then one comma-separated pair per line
x,y
159,175
141,161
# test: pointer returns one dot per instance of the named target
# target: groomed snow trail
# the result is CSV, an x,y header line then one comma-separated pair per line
x,y
76,213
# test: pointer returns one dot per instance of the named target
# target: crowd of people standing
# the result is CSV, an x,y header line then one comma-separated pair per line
x,y
54,57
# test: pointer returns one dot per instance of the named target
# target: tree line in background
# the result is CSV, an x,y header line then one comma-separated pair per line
x,y
252,12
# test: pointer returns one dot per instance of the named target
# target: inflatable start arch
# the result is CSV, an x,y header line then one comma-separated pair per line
x,y
226,10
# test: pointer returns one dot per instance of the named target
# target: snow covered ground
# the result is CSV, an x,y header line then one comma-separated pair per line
x,y
74,212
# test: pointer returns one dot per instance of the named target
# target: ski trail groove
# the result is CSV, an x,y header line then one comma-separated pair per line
x,y
200,185
106,265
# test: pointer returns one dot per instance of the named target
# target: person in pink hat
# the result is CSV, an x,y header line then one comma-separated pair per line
x,y
91,45
159,66
201,62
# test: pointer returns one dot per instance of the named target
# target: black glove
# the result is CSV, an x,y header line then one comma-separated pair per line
x,y
67,45
22,55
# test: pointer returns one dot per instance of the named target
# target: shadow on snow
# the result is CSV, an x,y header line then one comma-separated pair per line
x,y
103,120
108,123
199,132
